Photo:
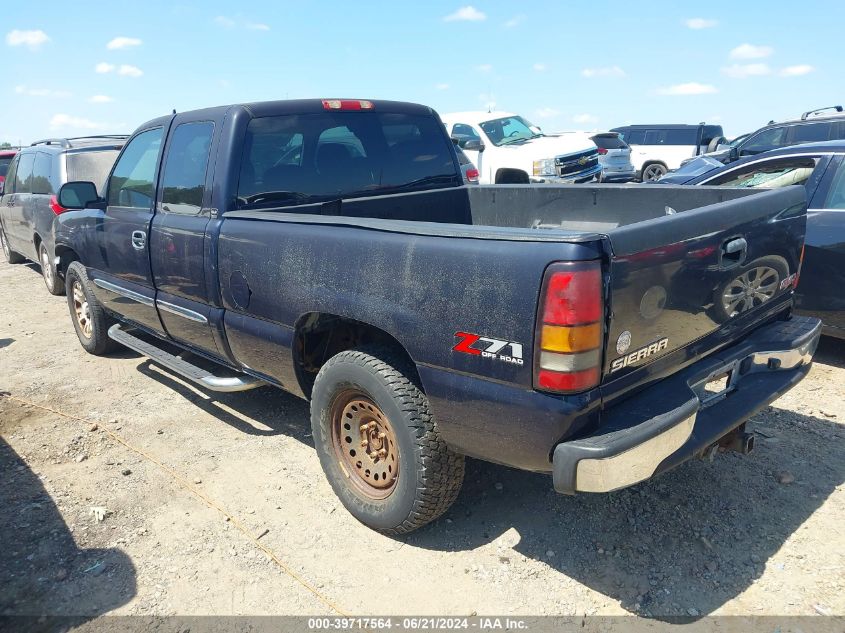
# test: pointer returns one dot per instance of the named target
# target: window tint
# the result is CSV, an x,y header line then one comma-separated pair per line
x,y
23,177
769,175
682,136
765,140
463,133
810,133
609,141
132,182
836,194
634,137
5,161
294,159
41,173
183,183
90,165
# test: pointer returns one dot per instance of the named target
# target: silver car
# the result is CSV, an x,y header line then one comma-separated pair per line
x,y
614,158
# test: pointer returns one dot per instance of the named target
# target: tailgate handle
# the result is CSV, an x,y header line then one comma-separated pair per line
x,y
733,252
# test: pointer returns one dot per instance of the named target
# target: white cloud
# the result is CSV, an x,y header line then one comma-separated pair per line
x,y
750,51
129,71
465,14
123,42
700,23
607,71
238,22
103,68
66,121
226,23
797,70
515,21
441,87
690,88
484,68
256,26
585,118
546,113
40,92
31,39
741,71
100,99
539,67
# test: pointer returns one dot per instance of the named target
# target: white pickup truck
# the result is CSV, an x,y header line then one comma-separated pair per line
x,y
506,148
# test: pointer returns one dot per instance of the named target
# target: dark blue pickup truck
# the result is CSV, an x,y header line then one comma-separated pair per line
x,y
602,334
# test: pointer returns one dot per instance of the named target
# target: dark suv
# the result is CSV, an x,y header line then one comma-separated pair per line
x,y
813,127
29,201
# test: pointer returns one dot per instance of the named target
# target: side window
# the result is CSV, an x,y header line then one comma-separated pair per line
x,y
464,133
183,182
132,181
765,140
41,172
769,175
10,175
836,194
810,133
682,136
23,177
655,137
634,137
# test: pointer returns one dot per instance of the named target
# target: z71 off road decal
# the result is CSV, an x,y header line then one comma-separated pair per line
x,y
638,354
478,345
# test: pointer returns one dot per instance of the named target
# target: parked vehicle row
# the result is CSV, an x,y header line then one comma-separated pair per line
x,y
332,248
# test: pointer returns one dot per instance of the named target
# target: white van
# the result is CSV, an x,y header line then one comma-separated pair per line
x,y
506,148
659,148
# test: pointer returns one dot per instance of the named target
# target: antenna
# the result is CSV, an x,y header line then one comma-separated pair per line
x,y
174,110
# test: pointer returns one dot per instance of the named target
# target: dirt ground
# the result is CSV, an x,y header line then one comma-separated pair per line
x,y
216,504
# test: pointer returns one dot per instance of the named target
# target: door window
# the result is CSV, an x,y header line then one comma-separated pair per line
x,y
463,133
183,183
10,175
132,183
765,140
769,175
810,133
42,171
23,176
835,198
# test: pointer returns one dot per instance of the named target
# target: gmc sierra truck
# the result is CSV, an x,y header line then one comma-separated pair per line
x,y
602,334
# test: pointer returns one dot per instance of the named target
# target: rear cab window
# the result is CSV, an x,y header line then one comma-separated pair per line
x,y
305,158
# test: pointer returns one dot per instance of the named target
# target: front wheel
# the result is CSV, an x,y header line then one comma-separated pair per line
x,y
653,172
378,443
55,284
90,319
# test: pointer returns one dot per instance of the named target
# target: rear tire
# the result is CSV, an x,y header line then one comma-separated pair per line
x,y
653,171
90,319
12,257
55,284
370,418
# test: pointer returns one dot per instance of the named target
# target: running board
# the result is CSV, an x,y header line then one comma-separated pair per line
x,y
240,382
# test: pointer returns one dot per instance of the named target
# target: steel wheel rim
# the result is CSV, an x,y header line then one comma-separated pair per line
x,y
653,172
46,269
751,289
364,444
81,309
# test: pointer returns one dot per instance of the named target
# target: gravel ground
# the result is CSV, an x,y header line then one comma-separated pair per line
x,y
218,506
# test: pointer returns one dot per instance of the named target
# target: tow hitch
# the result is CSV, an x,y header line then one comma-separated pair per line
x,y
737,440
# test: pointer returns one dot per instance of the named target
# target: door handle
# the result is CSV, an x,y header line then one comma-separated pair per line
x,y
139,240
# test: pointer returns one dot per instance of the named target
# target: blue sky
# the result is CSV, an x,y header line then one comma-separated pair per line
x,y
75,68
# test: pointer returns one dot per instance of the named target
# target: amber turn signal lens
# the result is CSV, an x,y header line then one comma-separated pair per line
x,y
555,338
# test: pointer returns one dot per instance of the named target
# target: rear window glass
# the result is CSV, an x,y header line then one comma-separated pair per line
x,y
610,141
93,166
4,165
297,159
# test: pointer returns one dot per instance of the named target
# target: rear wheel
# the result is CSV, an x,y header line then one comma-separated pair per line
x,y
378,444
55,284
90,319
11,256
653,171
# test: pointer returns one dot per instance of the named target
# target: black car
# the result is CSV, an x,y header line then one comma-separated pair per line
x,y
820,167
814,126
29,202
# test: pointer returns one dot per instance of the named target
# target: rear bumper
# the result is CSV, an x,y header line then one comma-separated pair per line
x,y
676,419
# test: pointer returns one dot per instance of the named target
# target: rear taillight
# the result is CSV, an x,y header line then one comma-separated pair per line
x,y
567,354
472,175
347,104
55,207
602,151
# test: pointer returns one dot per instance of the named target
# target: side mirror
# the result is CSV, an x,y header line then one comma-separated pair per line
x,y
78,195
473,145
734,155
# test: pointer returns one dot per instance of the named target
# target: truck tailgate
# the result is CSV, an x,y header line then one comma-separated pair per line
x,y
702,276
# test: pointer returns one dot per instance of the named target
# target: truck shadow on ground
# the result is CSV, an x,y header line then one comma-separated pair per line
x,y
42,570
831,351
682,544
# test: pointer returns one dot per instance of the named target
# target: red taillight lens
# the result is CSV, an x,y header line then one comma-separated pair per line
x,y
55,206
567,350
347,104
602,151
472,175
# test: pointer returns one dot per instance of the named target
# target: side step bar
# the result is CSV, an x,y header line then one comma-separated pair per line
x,y
240,382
